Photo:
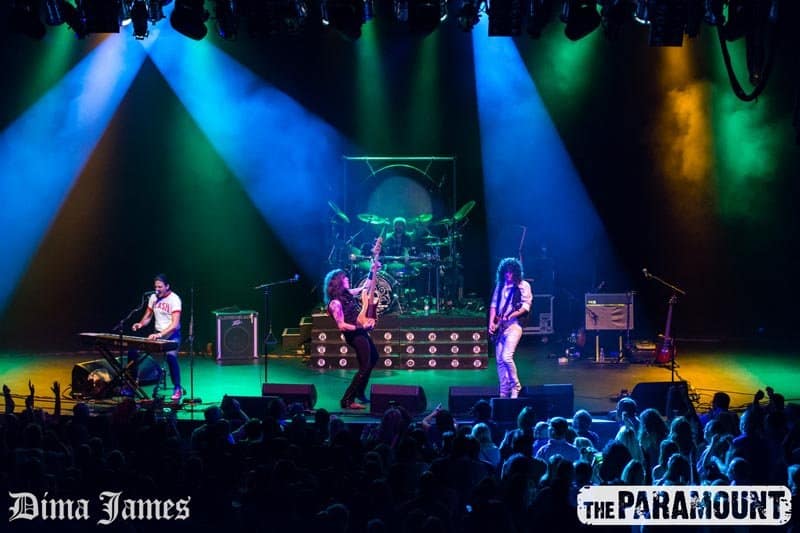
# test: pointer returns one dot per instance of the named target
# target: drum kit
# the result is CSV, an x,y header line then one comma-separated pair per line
x,y
411,283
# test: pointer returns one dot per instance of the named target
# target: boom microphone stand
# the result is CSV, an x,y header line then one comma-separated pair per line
x,y
270,338
125,377
672,299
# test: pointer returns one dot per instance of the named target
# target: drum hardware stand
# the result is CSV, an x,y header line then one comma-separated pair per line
x,y
270,339
673,299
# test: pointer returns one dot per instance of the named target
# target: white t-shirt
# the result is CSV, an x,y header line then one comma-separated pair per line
x,y
162,309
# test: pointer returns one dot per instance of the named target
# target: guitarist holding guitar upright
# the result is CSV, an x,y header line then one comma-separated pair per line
x,y
355,326
511,301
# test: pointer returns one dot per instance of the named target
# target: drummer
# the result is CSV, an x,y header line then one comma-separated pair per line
x,y
398,242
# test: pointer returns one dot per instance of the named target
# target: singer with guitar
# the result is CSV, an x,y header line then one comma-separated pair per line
x,y
511,300
355,326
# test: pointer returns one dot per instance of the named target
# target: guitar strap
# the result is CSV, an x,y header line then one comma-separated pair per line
x,y
508,300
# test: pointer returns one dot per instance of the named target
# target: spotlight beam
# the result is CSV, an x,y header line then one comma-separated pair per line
x,y
43,152
284,157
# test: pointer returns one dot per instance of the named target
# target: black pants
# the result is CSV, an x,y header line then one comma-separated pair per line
x,y
367,356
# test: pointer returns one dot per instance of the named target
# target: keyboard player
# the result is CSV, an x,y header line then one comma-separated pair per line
x,y
165,307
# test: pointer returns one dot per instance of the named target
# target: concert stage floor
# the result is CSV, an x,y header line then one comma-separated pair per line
x,y
739,371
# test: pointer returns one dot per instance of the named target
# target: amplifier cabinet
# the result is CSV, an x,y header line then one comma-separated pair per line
x,y
237,336
540,321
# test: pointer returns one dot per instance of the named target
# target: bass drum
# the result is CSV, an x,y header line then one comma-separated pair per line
x,y
384,291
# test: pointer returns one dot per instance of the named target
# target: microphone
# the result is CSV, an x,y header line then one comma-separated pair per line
x,y
148,293
295,279
646,273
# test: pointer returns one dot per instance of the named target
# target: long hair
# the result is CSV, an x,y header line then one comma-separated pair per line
x,y
509,264
333,284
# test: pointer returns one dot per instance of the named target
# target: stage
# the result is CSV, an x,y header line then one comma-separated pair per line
x,y
707,367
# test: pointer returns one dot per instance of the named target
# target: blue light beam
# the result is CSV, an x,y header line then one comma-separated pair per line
x,y
286,158
43,152
529,179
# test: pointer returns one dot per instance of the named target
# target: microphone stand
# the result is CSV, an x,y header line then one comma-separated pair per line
x,y
120,328
270,339
672,300
191,400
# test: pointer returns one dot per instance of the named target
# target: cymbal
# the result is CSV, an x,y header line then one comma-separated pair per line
x,y
424,218
437,244
464,211
338,212
372,219
444,222
431,238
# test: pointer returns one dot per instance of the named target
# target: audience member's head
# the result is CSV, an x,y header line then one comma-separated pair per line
x,y
581,420
558,428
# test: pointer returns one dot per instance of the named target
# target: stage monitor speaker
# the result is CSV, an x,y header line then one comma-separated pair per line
x,y
411,397
460,400
255,406
547,401
506,410
670,398
556,399
290,393
95,378
237,336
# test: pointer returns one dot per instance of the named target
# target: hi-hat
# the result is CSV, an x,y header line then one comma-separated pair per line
x,y
464,211
437,244
338,212
372,219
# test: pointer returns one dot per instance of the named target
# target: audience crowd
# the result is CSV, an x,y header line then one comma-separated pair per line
x,y
289,471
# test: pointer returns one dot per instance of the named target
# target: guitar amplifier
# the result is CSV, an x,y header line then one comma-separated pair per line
x,y
237,336
609,311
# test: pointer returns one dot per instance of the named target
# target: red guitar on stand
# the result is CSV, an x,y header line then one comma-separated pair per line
x,y
666,352
369,303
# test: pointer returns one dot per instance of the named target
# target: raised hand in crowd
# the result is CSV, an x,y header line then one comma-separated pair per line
x,y
8,399
56,388
29,399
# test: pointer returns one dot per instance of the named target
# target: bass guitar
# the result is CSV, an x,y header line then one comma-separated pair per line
x,y
666,352
368,315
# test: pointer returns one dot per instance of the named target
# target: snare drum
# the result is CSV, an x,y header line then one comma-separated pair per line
x,y
384,291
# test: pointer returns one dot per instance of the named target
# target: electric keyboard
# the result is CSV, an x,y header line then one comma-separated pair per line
x,y
111,341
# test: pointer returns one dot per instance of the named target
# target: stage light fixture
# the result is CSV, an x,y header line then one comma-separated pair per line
x,y
125,12
539,15
189,17
470,14
226,13
346,16
155,9
740,15
580,17
640,11
54,12
100,16
276,17
694,17
420,15
667,20
139,18
713,12
24,18
613,16
505,17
